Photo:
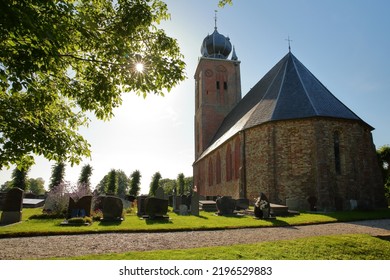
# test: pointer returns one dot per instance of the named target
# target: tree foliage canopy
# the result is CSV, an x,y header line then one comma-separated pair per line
x,y
135,183
61,59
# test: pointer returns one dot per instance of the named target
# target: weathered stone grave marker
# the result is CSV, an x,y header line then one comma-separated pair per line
x,y
12,207
195,204
156,208
81,208
141,205
112,208
262,207
225,205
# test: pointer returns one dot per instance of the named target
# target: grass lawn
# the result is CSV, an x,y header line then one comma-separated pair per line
x,y
206,220
344,247
338,247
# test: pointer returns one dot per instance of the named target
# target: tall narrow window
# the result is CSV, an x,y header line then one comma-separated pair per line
x,y
211,172
218,86
229,169
237,162
336,147
218,169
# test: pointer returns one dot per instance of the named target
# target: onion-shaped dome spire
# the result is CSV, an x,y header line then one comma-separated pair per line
x,y
216,45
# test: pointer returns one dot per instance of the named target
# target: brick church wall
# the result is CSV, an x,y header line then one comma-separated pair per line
x,y
228,184
292,160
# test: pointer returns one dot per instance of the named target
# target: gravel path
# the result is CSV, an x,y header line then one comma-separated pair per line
x,y
45,247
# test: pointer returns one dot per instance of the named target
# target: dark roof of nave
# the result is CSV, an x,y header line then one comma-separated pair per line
x,y
288,91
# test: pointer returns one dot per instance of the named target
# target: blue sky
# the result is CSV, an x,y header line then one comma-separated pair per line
x,y
345,44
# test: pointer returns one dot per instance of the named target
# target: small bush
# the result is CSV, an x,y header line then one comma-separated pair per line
x,y
80,220
45,216
97,215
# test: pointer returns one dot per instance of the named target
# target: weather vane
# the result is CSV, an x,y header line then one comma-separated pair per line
x,y
289,43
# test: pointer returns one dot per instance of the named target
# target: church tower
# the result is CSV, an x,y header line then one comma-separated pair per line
x,y
217,87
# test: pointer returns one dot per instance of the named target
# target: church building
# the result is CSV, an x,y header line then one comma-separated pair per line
x,y
288,137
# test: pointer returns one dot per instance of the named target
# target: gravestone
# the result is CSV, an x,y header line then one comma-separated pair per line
x,y
195,204
354,204
208,205
177,203
226,205
160,193
186,200
242,204
33,202
141,205
262,207
12,207
183,210
112,208
81,208
312,203
156,208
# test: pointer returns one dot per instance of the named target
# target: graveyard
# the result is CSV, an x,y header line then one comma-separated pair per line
x,y
161,214
158,213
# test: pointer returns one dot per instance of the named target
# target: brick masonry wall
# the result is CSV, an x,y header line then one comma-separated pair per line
x,y
292,160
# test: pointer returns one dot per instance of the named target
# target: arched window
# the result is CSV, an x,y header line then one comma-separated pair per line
x,y
229,164
218,169
211,173
237,162
336,148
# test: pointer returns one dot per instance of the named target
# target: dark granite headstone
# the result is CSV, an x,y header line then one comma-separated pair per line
x,y
313,203
186,200
156,207
112,208
141,205
12,207
81,208
242,204
225,205
195,204
262,207
160,193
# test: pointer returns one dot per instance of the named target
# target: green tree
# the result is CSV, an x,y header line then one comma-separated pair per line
x,y
384,162
112,182
85,175
123,183
36,186
222,3
62,59
19,178
155,183
101,187
168,185
6,186
57,175
188,184
180,183
135,182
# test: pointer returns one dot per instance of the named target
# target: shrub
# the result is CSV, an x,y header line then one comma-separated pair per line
x,y
97,215
80,220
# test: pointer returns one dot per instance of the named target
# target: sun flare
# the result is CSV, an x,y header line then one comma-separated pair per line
x,y
139,67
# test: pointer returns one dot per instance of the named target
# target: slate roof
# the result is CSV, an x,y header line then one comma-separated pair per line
x,y
288,91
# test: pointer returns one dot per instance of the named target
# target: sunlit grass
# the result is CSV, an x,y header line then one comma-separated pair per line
x,y
206,220
338,247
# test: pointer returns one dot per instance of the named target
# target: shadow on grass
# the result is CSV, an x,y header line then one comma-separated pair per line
x,y
154,221
203,217
109,223
383,237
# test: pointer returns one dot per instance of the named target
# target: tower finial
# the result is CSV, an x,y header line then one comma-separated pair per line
x,y
289,45
215,19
